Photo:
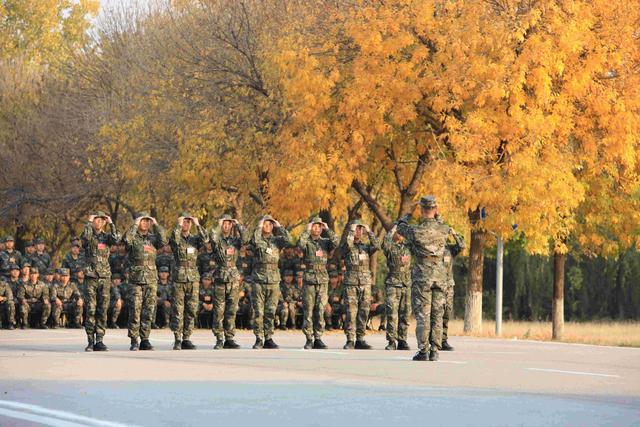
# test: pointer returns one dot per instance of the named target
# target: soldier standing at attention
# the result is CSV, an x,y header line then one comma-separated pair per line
x,y
315,251
397,290
226,243
357,283
268,239
427,241
450,253
185,288
142,239
96,242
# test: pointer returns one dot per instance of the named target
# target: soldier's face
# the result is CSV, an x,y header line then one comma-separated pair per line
x,y
48,277
34,277
164,275
316,229
15,273
80,275
64,280
333,282
144,224
226,226
75,250
288,279
206,282
267,227
30,249
359,231
116,282
9,244
98,223
25,271
40,247
186,224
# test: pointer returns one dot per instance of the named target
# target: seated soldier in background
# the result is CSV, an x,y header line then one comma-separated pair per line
x,y
7,306
66,299
9,255
48,280
13,281
299,300
334,310
73,260
40,257
77,277
377,309
163,302
206,261
164,258
25,268
115,301
34,299
205,302
118,261
29,250
244,315
124,291
286,311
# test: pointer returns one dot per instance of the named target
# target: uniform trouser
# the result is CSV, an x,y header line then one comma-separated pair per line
x,y
97,302
333,314
8,308
314,299
448,312
70,307
37,307
427,300
162,314
264,299
225,306
286,312
142,301
183,310
398,308
115,309
358,301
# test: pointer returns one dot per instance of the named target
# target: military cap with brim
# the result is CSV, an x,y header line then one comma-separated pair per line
x,y
164,269
288,273
49,271
226,217
26,264
206,276
38,241
97,214
33,270
9,239
143,214
76,244
428,202
28,243
14,267
268,218
116,276
63,271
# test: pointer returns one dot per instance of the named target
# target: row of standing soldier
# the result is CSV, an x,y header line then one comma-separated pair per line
x,y
424,287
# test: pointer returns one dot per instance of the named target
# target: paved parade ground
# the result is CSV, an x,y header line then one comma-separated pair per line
x,y
47,379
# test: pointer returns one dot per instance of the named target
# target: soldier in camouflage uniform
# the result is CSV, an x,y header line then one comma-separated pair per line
x,y
206,260
287,304
34,298
119,261
74,260
205,303
40,258
165,258
427,241
226,241
9,256
162,313
142,239
185,289
315,251
357,282
115,300
13,281
397,290
29,250
450,252
96,241
66,298
333,311
268,239
7,305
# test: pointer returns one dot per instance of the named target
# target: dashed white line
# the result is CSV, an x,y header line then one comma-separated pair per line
x,y
51,417
559,371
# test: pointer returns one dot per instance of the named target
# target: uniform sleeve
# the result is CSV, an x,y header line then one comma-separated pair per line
x,y
130,235
284,238
303,240
404,229
86,236
161,236
21,292
114,236
387,242
244,235
203,237
334,240
53,293
374,243
174,238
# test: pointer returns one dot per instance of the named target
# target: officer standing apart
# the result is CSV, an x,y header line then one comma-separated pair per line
x,y
268,239
226,243
427,241
315,251
185,288
96,241
357,282
142,240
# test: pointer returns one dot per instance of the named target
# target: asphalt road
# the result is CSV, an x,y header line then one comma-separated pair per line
x,y
47,379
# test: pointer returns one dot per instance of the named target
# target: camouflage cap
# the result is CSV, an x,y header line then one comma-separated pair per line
x,y
164,269
226,217
26,264
185,214
14,267
268,218
49,271
116,276
76,244
143,214
206,276
63,271
97,214
287,273
428,202
9,239
316,220
333,273
38,241
28,243
33,270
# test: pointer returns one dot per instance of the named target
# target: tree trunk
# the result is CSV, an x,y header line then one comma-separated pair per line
x,y
473,302
557,308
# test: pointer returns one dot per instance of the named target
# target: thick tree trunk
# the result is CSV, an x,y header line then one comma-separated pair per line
x,y
557,308
473,302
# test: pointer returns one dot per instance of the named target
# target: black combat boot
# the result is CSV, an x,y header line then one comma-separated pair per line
x,y
219,345
433,355
402,345
11,326
99,346
362,345
43,326
231,344
319,345
446,346
309,344
90,344
391,346
146,345
177,344
188,345
134,344
270,344
259,344
349,345
420,356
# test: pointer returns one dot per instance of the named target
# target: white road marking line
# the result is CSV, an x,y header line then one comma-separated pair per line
x,y
38,419
64,418
559,371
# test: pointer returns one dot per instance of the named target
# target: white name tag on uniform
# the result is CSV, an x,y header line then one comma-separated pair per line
x,y
191,250
269,251
362,257
319,253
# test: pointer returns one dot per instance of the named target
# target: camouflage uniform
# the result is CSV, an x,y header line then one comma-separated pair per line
x,y
186,280
357,283
289,294
397,290
34,298
266,277
40,260
69,295
162,314
118,263
206,296
449,258
333,316
427,241
98,278
315,252
165,260
206,262
143,278
226,279
72,263
7,258
114,308
7,305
